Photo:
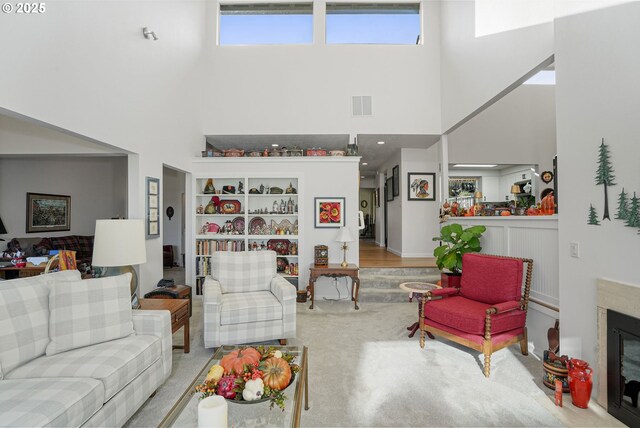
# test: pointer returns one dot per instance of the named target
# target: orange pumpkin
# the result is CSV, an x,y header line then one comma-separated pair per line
x,y
505,213
277,373
235,361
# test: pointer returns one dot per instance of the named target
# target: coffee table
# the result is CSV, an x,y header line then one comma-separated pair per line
x,y
185,412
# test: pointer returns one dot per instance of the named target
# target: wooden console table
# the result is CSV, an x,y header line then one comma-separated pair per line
x,y
179,309
335,270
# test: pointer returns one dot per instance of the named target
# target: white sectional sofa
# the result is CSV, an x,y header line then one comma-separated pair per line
x,y
73,353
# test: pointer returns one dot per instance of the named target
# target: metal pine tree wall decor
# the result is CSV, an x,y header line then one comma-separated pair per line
x,y
604,176
623,206
593,217
633,219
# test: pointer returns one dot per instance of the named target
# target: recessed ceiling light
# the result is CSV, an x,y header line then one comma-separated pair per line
x,y
364,163
275,145
362,176
380,142
465,165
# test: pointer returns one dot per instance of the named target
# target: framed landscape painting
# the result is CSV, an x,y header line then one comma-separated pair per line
x,y
421,186
328,212
48,213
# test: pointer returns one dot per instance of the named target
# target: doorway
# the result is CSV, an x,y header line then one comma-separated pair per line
x,y
173,224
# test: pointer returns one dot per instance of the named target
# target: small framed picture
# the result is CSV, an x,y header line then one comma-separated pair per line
x,y
396,181
152,206
421,186
388,189
328,212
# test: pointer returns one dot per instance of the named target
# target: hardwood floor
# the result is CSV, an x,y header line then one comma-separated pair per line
x,y
372,256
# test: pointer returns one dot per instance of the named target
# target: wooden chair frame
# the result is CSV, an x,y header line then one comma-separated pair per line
x,y
487,347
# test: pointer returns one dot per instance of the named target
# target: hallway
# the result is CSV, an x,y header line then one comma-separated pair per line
x,y
372,256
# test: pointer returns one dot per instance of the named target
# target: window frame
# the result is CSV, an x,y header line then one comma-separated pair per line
x,y
222,4
379,3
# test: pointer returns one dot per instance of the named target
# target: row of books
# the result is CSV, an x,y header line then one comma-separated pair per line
x,y
205,248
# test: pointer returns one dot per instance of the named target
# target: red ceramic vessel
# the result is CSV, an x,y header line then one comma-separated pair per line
x,y
580,382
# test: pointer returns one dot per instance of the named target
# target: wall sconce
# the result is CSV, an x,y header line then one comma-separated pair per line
x,y
149,34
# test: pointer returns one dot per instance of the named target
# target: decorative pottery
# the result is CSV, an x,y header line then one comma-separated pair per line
x,y
230,206
209,189
555,369
580,382
336,152
233,153
316,152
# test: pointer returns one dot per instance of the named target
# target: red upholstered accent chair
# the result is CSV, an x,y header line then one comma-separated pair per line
x,y
489,310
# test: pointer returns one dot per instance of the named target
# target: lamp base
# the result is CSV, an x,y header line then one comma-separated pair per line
x,y
101,272
344,263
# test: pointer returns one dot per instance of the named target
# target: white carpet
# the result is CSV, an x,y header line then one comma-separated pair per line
x,y
365,371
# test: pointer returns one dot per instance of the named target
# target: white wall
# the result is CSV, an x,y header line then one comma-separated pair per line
x,y
86,67
173,189
597,96
518,129
312,173
308,89
97,186
420,221
474,70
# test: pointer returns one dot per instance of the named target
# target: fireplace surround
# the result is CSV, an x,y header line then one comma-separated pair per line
x,y
619,349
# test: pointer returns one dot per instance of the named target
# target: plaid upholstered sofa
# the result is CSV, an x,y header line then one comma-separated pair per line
x,y
73,353
245,300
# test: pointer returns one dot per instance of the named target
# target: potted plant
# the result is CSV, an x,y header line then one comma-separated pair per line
x,y
455,241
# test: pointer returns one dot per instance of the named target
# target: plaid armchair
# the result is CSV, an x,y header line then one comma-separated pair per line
x,y
489,310
246,301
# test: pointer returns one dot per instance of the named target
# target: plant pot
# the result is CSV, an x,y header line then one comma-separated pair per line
x,y
450,279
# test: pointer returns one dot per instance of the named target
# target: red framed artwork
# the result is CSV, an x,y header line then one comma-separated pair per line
x,y
329,212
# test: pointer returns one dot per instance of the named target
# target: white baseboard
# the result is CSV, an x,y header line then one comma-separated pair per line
x,y
397,253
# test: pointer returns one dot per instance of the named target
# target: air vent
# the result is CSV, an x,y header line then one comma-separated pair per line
x,y
362,105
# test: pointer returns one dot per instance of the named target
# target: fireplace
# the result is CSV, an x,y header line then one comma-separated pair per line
x,y
623,367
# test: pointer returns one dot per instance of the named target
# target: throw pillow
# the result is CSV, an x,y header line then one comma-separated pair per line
x,y
24,317
87,312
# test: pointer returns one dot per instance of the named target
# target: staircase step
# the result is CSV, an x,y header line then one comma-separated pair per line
x,y
384,295
391,278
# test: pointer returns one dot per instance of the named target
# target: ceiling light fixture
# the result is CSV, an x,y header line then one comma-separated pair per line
x,y
380,142
362,176
149,34
364,164
275,145
466,165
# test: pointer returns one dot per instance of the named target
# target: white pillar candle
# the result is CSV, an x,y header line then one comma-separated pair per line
x,y
212,412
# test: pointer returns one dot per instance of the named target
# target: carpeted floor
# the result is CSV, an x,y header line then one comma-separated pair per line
x,y
365,371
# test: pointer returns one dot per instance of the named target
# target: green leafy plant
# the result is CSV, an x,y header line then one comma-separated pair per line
x,y
455,242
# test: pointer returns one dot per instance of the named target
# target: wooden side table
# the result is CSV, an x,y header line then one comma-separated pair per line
x,y
172,292
179,309
335,270
419,288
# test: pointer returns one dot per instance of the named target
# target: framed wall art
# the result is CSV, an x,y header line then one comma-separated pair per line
x,y
396,181
328,212
421,186
48,213
378,197
388,189
153,203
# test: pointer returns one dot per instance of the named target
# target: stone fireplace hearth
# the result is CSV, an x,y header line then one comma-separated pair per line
x,y
618,297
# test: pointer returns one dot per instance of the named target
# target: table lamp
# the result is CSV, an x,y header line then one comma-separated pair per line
x,y
2,229
515,189
118,244
344,236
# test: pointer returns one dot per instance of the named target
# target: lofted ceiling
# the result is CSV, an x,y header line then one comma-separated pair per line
x,y
373,154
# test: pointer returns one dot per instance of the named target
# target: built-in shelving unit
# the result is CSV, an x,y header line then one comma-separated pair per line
x,y
246,214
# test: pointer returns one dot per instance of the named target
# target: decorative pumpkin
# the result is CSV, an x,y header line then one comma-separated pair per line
x,y
505,213
215,373
235,361
253,390
277,373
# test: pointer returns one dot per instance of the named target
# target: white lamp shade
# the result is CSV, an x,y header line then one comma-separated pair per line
x,y
344,235
119,243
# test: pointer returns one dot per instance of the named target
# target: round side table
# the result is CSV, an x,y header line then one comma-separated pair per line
x,y
419,289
